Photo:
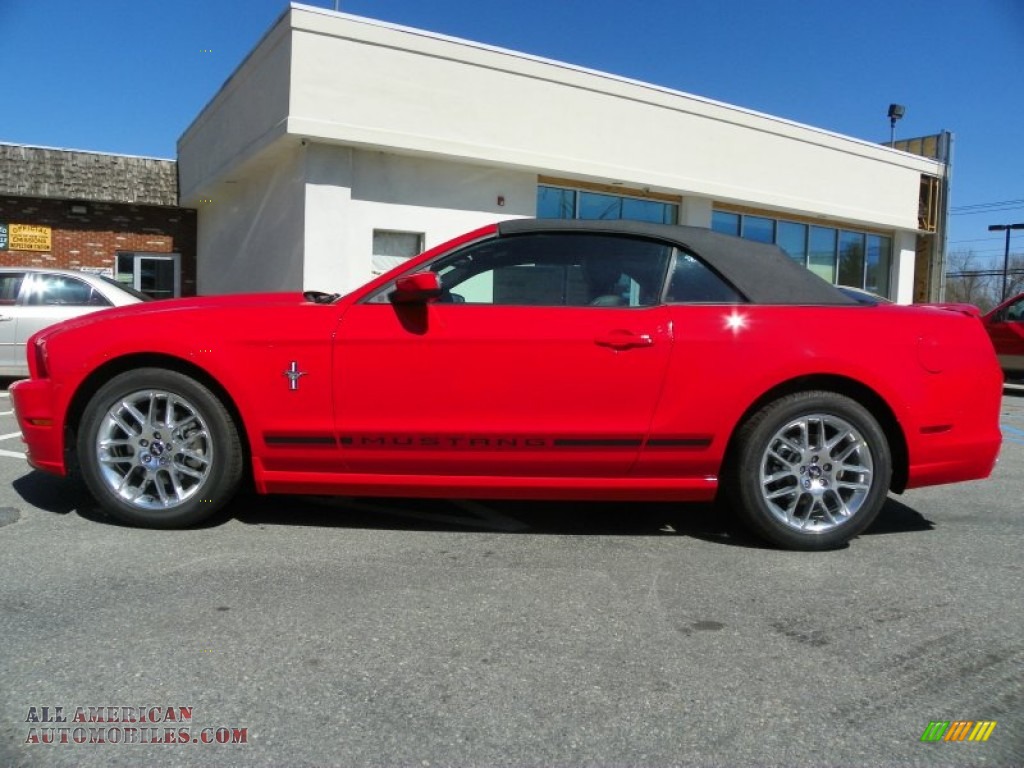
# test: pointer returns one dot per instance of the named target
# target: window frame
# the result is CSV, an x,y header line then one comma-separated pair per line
x,y
420,237
20,276
382,294
135,259
670,274
623,196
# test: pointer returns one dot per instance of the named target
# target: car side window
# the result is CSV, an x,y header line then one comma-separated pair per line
x,y
556,270
10,286
693,282
62,290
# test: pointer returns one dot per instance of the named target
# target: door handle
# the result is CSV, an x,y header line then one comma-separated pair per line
x,y
625,340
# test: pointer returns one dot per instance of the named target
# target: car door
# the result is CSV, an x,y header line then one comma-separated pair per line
x,y
1006,329
710,361
10,287
544,356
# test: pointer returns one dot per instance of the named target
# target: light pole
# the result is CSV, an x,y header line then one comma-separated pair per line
x,y
1006,254
896,111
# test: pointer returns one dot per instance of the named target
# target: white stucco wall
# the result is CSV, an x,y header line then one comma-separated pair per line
x,y
904,256
350,193
366,83
247,115
250,233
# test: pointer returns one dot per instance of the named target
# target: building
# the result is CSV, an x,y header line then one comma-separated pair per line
x,y
341,145
111,214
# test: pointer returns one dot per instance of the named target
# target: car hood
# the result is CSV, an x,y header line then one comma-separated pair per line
x,y
148,310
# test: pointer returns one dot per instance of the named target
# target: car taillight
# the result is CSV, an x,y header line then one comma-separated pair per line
x,y
40,363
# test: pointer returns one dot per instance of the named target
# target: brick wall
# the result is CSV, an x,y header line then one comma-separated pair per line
x,y
94,239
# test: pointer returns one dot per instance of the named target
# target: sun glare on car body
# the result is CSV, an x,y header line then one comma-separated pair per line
x,y
736,321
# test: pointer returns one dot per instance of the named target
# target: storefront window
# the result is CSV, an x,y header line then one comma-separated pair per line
x,y
759,229
879,255
648,210
600,207
822,252
393,248
851,259
844,257
556,203
792,238
725,222
559,203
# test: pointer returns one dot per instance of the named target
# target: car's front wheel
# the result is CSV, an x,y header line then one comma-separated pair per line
x,y
157,448
810,471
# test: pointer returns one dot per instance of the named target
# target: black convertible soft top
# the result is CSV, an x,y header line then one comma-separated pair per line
x,y
763,273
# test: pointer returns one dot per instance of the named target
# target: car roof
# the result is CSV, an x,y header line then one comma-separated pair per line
x,y
763,273
48,271
107,285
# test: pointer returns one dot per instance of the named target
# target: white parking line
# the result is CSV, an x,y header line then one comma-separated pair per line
x,y
6,413
10,435
12,454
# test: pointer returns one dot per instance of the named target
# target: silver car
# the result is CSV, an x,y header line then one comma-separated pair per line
x,y
31,299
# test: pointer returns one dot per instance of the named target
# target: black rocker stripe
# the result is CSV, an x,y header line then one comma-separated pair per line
x,y
291,440
570,442
561,442
679,442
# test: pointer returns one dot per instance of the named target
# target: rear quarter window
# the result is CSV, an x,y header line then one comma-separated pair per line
x,y
694,282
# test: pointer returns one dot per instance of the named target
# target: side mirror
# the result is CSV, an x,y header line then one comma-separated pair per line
x,y
418,288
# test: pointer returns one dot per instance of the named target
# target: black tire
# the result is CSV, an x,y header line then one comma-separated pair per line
x,y
786,482
171,455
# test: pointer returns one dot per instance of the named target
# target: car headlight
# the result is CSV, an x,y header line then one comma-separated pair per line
x,y
39,365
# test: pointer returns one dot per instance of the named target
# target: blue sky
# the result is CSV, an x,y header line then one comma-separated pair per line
x,y
128,76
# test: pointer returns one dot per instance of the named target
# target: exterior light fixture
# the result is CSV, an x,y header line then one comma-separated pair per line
x,y
1006,253
896,112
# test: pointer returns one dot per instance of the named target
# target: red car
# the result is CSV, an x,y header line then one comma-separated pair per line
x,y
527,360
1005,326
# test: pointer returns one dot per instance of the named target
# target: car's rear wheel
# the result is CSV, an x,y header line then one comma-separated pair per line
x,y
810,471
157,448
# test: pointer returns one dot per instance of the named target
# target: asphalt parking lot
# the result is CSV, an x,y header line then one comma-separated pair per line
x,y
413,633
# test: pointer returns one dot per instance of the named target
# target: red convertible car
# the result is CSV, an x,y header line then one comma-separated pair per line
x,y
526,360
1005,326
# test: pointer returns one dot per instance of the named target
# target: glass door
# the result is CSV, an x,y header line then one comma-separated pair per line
x,y
155,274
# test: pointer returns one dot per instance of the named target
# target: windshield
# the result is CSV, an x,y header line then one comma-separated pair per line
x,y
127,288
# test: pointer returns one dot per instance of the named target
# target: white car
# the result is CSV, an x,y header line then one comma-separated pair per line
x,y
31,299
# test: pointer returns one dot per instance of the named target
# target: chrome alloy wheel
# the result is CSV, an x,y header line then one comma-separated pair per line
x,y
816,472
154,450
